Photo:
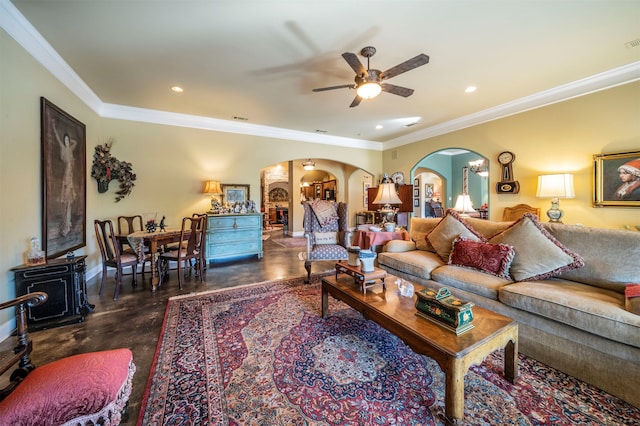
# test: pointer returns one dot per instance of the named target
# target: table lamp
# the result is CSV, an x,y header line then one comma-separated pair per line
x,y
463,205
387,195
555,187
213,187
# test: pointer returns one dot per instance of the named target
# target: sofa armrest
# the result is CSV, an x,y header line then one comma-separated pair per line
x,y
399,246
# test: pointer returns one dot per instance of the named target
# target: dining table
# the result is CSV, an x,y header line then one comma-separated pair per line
x,y
367,239
140,240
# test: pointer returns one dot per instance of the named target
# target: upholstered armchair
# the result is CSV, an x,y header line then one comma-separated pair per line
x,y
327,232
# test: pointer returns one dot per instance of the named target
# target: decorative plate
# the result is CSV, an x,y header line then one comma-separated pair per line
x,y
398,177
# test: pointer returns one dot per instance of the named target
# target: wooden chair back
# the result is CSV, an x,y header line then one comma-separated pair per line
x,y
516,212
109,247
129,224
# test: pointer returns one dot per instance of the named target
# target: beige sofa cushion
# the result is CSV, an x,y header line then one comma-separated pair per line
x,y
419,263
538,255
608,255
470,280
419,229
447,230
592,309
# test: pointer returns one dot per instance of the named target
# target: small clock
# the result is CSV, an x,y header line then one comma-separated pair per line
x,y
507,185
506,157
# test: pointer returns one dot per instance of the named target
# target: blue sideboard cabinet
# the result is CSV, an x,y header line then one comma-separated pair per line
x,y
233,235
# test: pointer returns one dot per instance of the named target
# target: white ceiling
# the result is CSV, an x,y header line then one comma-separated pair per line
x,y
260,59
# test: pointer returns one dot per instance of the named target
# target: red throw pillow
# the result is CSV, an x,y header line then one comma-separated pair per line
x,y
494,259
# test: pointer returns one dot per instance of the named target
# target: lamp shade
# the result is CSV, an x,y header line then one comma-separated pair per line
x,y
464,204
369,90
555,186
387,194
212,187
309,165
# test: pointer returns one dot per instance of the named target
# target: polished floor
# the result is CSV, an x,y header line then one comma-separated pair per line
x,y
135,319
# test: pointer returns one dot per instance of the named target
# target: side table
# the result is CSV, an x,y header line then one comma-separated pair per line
x,y
363,279
64,282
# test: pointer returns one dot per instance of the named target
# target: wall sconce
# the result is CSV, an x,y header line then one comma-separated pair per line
x,y
555,187
309,165
387,195
480,167
213,187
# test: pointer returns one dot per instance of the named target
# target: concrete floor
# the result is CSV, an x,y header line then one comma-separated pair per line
x,y
135,319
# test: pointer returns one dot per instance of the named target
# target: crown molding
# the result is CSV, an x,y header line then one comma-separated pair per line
x,y
16,25
602,81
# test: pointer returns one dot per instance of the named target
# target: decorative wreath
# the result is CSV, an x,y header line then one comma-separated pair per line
x,y
106,168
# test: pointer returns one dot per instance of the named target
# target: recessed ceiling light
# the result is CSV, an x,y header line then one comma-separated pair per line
x,y
177,89
470,89
379,126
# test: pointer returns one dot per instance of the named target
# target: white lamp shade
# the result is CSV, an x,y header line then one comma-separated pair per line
x,y
555,186
387,194
464,204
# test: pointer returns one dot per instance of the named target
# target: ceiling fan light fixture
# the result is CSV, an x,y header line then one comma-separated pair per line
x,y
369,90
309,165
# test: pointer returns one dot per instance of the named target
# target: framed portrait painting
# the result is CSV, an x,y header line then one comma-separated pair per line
x,y
235,193
63,181
617,179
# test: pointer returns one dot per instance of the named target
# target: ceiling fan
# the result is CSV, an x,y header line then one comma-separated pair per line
x,y
370,82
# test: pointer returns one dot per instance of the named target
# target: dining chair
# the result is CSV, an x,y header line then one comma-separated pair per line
x,y
128,225
112,257
191,248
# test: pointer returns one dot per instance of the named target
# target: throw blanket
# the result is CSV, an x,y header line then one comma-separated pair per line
x,y
325,211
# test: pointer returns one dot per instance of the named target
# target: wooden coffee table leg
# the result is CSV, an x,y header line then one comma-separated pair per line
x,y
454,391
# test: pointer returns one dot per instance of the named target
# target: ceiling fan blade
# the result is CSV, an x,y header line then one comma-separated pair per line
x,y
342,86
396,90
356,101
407,65
354,63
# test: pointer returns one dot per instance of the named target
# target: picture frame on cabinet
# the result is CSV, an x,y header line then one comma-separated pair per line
x,y
64,196
616,179
235,193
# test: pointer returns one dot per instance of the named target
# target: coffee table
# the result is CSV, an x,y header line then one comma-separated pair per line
x,y
454,354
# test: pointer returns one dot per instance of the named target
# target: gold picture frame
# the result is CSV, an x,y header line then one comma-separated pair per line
x,y
235,193
617,179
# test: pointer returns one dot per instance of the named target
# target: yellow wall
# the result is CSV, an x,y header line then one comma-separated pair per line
x,y
172,162
558,138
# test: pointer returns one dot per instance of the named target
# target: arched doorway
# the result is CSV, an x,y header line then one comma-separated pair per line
x,y
446,167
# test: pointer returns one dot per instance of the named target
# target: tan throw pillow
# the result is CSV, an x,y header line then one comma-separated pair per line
x,y
326,237
538,255
447,230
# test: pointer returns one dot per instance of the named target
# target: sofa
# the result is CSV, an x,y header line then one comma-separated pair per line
x,y
563,284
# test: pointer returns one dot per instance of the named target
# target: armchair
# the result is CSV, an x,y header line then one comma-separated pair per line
x,y
91,388
327,232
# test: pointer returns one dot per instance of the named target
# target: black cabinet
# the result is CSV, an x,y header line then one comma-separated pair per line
x,y
64,281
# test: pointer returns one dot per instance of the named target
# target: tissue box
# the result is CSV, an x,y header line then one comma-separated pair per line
x,y
442,308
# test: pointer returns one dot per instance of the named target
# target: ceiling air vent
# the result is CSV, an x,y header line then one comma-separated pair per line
x,y
238,118
632,43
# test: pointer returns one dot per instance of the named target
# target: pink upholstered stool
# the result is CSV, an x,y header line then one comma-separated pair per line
x,y
91,388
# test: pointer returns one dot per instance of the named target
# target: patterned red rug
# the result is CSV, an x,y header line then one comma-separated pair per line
x,y
261,354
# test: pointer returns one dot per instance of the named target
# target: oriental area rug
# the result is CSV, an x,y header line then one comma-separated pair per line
x,y
261,354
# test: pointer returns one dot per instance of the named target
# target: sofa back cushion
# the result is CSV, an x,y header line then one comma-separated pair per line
x,y
420,227
610,255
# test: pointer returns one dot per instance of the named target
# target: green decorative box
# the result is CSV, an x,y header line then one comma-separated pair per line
x,y
444,309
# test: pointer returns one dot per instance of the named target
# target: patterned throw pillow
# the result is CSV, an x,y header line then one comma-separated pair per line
x,y
447,230
325,211
494,259
538,255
